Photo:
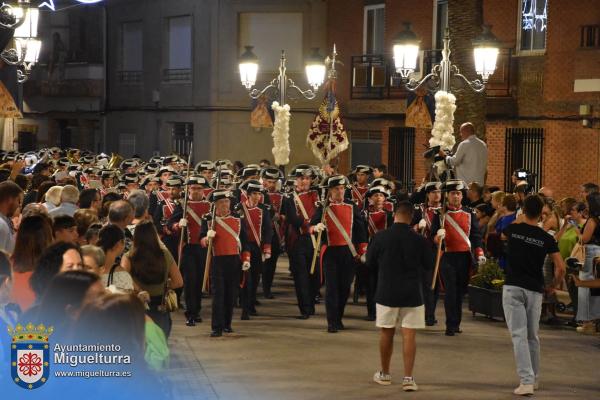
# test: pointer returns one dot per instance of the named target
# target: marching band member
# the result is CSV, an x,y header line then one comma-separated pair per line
x,y
131,181
462,240
378,219
230,255
346,240
360,186
299,208
163,212
390,202
270,179
259,233
207,169
423,217
193,255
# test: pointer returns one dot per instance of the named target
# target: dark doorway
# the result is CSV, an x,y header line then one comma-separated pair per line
x,y
401,156
27,141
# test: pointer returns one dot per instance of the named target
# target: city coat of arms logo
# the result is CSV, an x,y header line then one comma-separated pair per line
x,y
30,355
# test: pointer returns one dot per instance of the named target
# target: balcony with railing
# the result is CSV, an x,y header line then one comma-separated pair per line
x,y
71,79
129,77
374,78
177,75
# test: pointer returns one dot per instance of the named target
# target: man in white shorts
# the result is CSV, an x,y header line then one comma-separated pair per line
x,y
402,257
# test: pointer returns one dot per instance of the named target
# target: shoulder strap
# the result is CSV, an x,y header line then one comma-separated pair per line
x,y
170,205
251,224
458,229
305,215
343,232
194,216
228,229
359,196
300,205
372,223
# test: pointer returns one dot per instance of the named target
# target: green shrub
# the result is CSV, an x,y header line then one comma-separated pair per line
x,y
489,276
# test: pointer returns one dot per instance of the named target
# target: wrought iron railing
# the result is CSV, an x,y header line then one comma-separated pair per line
x,y
182,136
374,76
129,76
177,75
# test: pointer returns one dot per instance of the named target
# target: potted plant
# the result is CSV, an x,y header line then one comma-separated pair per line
x,y
485,290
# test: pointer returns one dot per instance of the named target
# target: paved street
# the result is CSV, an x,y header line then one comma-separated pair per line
x,y
275,356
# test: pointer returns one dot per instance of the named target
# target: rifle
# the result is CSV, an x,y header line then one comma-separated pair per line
x,y
210,242
438,257
185,200
317,248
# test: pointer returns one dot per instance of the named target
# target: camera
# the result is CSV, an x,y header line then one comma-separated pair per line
x,y
432,152
573,265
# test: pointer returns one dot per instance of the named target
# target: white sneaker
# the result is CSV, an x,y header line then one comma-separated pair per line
x,y
524,390
409,385
382,379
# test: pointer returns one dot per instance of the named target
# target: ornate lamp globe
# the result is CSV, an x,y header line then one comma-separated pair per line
x,y
485,51
406,51
248,63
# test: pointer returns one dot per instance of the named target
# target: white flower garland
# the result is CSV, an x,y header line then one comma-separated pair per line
x,y
442,133
281,134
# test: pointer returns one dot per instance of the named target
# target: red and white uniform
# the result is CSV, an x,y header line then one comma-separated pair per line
x,y
224,243
428,214
257,231
163,195
207,192
462,234
359,194
388,206
349,219
195,211
276,200
309,200
377,221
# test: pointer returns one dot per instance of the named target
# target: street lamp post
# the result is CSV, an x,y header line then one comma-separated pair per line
x,y
315,71
23,18
445,75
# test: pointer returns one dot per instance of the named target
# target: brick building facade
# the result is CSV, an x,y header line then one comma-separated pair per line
x,y
530,114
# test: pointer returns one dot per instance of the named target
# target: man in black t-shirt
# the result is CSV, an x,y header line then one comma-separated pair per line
x,y
527,248
402,258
